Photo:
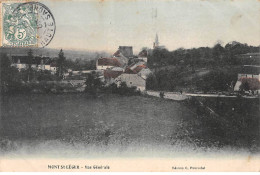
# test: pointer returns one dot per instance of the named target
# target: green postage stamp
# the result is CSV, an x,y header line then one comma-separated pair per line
x,y
29,24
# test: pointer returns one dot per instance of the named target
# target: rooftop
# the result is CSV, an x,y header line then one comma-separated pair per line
x,y
250,69
109,62
143,53
36,60
112,74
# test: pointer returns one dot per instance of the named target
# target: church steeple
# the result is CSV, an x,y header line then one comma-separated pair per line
x,y
156,42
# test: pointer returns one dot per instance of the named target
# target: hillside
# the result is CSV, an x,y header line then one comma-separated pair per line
x,y
200,69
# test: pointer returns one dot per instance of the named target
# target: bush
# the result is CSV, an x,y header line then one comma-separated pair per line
x,y
93,83
123,89
46,76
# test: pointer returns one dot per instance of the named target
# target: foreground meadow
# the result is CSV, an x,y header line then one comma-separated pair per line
x,y
80,125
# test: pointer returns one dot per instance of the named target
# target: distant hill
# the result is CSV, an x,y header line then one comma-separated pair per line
x,y
69,54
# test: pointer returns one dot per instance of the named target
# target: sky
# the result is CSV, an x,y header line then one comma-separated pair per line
x,y
106,24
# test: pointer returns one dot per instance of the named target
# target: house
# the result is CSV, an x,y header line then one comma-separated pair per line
x,y
41,66
143,55
77,74
124,54
46,65
38,63
135,67
110,75
20,62
131,80
144,73
127,51
118,69
121,58
107,63
247,72
249,58
53,68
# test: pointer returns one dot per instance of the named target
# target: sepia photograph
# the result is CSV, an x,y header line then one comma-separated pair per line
x,y
129,85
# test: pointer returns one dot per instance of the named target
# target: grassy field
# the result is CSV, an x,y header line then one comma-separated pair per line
x,y
79,121
233,122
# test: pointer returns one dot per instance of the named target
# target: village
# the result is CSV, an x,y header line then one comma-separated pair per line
x,y
114,69
133,70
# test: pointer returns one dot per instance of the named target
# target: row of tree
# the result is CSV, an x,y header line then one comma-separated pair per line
x,y
80,64
183,69
201,57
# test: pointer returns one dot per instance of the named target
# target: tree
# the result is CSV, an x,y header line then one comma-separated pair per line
x,y
93,83
8,74
29,61
90,65
60,64
159,57
161,94
123,89
5,66
151,82
30,58
45,76
218,52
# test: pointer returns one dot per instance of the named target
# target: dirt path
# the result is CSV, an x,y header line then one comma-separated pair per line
x,y
179,97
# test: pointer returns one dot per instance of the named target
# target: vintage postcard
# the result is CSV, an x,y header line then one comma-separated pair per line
x,y
129,85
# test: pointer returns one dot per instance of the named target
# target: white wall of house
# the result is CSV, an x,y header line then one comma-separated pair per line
x,y
47,67
53,70
34,66
144,73
40,67
86,71
103,67
20,66
237,86
131,80
118,69
140,88
143,58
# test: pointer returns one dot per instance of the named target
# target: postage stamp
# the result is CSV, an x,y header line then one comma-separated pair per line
x,y
29,24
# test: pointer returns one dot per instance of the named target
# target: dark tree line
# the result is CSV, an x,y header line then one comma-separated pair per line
x,y
182,69
80,64
8,75
60,64
200,57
